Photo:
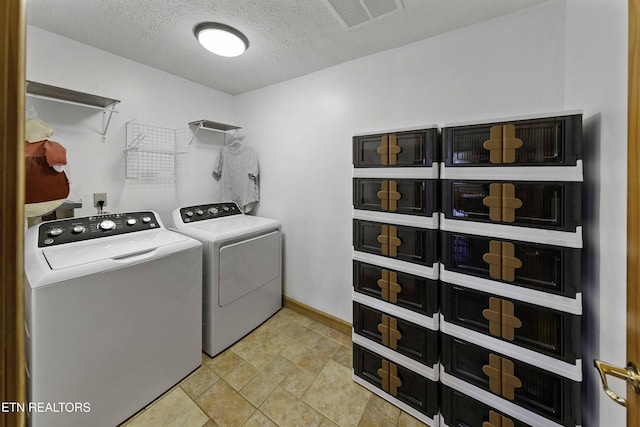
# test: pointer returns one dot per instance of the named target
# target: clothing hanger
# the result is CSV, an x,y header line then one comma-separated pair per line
x,y
32,114
35,128
235,138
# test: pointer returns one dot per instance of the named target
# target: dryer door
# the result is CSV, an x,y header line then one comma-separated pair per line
x,y
247,265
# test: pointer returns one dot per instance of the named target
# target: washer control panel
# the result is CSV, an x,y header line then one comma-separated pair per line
x,y
210,211
92,227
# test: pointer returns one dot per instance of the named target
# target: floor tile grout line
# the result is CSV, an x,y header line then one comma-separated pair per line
x,y
277,324
316,375
221,378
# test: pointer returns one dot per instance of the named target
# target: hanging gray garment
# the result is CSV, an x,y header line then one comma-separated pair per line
x,y
237,170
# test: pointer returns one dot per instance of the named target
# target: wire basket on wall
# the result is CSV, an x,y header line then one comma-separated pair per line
x,y
153,152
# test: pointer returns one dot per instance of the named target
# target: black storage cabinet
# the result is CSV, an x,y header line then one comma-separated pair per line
x,y
416,391
547,268
416,293
416,196
460,410
551,332
550,141
545,393
414,341
416,245
418,148
546,205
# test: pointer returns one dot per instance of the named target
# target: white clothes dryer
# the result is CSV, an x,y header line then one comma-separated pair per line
x,y
242,270
112,314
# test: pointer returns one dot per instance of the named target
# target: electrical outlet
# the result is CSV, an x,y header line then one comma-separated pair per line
x,y
99,197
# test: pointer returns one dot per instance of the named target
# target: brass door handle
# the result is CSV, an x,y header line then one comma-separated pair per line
x,y
629,374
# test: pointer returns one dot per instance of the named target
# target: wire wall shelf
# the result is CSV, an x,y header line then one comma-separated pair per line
x,y
153,152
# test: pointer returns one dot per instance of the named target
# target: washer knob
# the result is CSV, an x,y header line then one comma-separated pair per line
x,y
146,219
213,211
225,208
107,225
78,229
55,231
200,212
189,213
131,221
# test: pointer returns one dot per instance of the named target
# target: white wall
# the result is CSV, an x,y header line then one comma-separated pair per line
x,y
561,55
151,96
596,81
302,128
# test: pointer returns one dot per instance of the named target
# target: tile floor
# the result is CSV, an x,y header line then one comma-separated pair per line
x,y
291,371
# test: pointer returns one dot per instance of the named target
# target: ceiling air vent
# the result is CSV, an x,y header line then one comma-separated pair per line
x,y
352,13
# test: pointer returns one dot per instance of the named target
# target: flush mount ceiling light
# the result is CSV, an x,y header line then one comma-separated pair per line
x,y
221,39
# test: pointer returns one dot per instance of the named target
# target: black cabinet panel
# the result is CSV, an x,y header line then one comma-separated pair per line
x,y
415,390
551,332
549,205
413,292
546,268
547,394
416,148
412,196
460,410
412,244
404,337
545,142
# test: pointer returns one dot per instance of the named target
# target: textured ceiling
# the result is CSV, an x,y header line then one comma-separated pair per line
x,y
288,38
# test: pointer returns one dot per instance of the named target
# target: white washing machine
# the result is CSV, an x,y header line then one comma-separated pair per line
x,y
242,270
112,314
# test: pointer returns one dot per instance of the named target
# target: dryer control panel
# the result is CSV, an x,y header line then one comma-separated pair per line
x,y
92,227
209,211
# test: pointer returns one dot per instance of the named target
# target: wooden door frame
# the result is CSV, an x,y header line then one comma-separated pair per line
x,y
12,74
633,206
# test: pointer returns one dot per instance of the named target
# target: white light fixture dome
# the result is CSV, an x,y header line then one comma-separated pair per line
x,y
221,39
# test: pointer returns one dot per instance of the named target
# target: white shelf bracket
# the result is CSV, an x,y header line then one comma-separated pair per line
x,y
195,132
106,120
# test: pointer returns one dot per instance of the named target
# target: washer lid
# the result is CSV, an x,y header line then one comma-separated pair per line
x,y
116,247
228,227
